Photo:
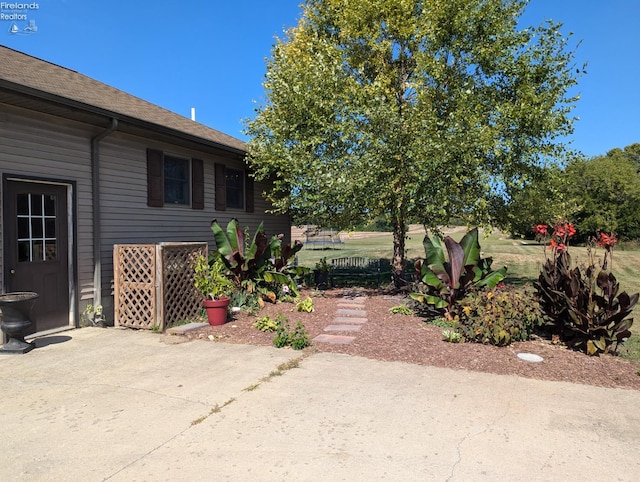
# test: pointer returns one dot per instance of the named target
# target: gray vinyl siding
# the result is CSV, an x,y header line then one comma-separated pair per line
x,y
126,218
45,147
51,148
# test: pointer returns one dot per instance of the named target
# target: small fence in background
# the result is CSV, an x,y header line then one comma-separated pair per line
x,y
153,284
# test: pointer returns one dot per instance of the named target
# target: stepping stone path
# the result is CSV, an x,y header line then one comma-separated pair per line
x,y
349,318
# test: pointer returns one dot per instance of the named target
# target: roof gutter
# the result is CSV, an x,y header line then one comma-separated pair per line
x,y
97,215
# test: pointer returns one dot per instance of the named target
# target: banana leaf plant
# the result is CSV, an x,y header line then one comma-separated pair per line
x,y
245,261
260,261
450,270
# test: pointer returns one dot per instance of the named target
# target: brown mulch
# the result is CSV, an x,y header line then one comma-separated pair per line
x,y
409,339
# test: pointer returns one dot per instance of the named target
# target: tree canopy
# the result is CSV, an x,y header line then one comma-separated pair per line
x,y
606,193
415,111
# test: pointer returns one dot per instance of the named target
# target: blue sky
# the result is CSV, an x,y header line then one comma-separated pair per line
x,y
211,55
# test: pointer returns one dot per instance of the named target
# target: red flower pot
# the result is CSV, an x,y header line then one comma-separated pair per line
x,y
216,311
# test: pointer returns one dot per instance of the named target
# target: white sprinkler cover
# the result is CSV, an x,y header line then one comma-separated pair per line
x,y
530,357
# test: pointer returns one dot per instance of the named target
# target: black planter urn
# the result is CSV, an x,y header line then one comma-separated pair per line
x,y
16,319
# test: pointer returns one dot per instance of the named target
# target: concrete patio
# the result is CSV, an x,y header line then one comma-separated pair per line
x,y
111,404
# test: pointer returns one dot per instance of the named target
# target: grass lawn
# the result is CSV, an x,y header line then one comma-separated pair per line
x,y
523,258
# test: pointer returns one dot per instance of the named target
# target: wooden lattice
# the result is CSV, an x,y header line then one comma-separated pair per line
x,y
181,299
134,270
153,284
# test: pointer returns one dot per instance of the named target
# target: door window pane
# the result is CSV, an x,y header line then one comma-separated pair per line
x,y
38,250
36,204
23,204
50,252
23,227
50,228
50,205
36,227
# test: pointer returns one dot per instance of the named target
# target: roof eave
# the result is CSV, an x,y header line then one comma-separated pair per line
x,y
158,128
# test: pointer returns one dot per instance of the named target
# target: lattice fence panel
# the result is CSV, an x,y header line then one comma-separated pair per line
x,y
135,297
181,300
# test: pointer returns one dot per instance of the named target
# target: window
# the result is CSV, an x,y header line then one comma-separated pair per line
x,y
173,180
234,189
234,180
176,180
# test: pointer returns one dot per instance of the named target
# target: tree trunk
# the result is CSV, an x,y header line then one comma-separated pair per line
x,y
397,264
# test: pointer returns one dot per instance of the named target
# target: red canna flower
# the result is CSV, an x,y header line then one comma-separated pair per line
x,y
559,230
541,229
562,248
607,241
603,239
571,230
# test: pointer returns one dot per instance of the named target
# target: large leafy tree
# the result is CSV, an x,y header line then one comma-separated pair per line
x,y
606,190
542,199
418,111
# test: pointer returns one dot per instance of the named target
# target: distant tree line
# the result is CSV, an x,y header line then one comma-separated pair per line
x,y
596,194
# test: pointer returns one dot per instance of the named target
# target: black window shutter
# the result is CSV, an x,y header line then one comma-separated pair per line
x,y
221,188
155,178
197,184
248,193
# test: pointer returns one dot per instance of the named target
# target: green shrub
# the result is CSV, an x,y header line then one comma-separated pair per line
x,y
282,336
443,322
451,336
299,339
305,305
500,316
266,323
401,310
296,339
246,301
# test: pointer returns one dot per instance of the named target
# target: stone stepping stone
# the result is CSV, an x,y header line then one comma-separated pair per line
x,y
349,320
350,306
347,312
334,339
343,328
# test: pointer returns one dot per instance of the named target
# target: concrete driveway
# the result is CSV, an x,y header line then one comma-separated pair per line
x,y
111,404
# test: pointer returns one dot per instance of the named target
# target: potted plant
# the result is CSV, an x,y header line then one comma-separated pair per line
x,y
214,285
321,274
94,316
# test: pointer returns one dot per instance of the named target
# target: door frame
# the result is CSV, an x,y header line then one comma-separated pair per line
x,y
71,190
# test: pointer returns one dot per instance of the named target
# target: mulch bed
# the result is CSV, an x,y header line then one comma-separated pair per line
x,y
409,339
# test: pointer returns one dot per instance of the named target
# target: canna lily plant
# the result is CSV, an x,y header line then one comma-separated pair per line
x,y
586,309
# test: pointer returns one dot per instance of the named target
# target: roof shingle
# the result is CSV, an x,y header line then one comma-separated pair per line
x,y
40,75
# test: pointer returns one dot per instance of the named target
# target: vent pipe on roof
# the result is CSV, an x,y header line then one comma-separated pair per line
x,y
193,114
